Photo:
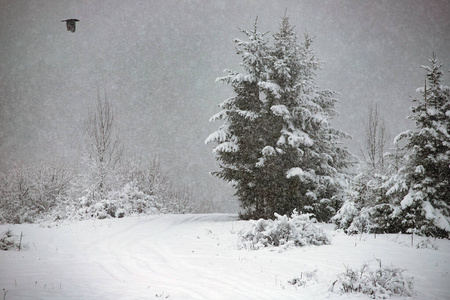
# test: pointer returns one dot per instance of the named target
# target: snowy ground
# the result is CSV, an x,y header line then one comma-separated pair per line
x,y
195,257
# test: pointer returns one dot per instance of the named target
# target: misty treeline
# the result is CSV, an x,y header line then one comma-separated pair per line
x,y
279,151
107,182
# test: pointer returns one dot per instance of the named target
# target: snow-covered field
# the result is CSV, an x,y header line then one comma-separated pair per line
x,y
195,257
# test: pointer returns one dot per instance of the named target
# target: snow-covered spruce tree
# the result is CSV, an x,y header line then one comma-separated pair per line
x,y
425,204
240,138
277,146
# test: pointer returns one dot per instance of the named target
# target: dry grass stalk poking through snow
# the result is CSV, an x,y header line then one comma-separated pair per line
x,y
305,279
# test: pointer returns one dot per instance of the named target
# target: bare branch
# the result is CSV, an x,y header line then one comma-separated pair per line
x,y
103,150
375,140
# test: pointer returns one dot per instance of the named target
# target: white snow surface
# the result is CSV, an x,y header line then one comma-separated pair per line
x,y
196,257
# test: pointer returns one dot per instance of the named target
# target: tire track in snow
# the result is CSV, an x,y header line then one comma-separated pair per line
x,y
152,261
209,283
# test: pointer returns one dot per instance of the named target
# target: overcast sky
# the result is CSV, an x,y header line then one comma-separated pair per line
x,y
158,61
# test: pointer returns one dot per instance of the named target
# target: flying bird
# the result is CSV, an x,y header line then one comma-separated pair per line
x,y
70,23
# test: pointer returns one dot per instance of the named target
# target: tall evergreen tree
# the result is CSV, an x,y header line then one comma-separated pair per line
x,y
277,146
240,138
426,205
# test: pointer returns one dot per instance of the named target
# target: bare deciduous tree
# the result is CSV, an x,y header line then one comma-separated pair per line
x,y
103,150
375,140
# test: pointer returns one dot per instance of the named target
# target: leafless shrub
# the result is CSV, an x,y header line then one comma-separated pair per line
x,y
150,178
30,191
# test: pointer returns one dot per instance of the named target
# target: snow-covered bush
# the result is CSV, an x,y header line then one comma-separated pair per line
x,y
115,185
284,231
9,241
29,192
345,216
381,283
377,219
128,201
147,180
118,204
428,243
140,188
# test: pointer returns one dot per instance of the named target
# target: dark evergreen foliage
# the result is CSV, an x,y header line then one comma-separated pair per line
x,y
414,193
276,146
426,206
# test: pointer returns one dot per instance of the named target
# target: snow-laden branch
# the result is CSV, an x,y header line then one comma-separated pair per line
x,y
226,147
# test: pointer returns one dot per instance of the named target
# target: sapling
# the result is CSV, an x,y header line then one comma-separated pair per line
x,y
20,241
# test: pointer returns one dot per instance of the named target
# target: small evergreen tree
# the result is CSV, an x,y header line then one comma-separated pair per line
x,y
426,205
277,146
414,194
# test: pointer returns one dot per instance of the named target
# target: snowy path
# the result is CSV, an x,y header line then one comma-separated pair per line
x,y
195,257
